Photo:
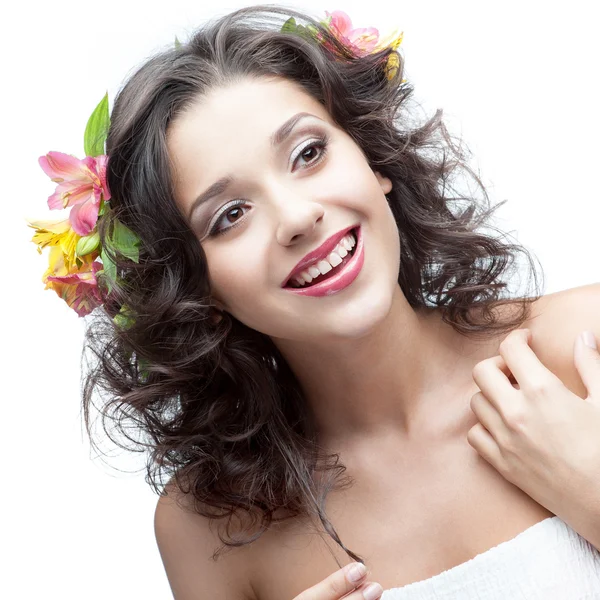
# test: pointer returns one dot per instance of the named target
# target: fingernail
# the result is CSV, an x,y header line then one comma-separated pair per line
x,y
589,339
356,572
372,592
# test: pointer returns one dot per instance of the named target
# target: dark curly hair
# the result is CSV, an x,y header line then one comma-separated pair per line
x,y
214,404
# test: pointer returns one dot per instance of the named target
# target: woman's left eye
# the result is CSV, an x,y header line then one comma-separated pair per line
x,y
307,151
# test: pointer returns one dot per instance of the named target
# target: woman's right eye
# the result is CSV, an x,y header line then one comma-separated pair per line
x,y
235,210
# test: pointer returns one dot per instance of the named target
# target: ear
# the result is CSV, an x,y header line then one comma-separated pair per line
x,y
218,304
384,182
216,311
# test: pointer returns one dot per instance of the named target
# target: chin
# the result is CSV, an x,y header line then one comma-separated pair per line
x,y
359,319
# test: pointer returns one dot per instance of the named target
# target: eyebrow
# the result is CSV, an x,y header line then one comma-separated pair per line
x,y
276,139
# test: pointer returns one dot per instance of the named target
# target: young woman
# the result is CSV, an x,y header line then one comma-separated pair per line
x,y
311,299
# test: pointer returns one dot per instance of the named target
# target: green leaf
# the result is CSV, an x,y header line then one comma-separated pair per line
x,y
124,318
177,43
326,22
126,241
87,244
304,32
312,30
289,26
96,129
143,370
109,270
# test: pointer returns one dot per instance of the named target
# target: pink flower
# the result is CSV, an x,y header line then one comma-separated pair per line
x,y
81,184
362,40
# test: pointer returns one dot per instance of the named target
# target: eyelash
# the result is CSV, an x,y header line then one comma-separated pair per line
x,y
321,142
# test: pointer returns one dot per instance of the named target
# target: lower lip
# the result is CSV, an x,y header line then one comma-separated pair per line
x,y
340,280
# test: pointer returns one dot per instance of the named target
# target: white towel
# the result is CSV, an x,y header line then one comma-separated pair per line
x,y
548,561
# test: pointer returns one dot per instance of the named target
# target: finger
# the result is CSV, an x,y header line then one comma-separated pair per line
x,y
587,362
338,584
368,591
493,379
487,414
482,441
521,360
491,374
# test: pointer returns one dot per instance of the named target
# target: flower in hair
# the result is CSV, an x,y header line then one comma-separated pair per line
x,y
362,40
56,233
76,285
73,265
81,185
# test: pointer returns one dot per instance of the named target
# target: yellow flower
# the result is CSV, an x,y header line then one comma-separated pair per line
x,y
393,62
78,286
391,66
394,40
56,233
56,265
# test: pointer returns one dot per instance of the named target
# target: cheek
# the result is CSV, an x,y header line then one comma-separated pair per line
x,y
393,236
350,174
235,277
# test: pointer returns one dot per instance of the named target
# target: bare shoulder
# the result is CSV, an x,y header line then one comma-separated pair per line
x,y
186,542
555,322
584,297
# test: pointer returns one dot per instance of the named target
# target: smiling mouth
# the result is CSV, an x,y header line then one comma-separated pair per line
x,y
325,264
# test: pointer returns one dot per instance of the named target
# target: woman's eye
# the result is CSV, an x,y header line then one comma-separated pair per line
x,y
318,149
231,215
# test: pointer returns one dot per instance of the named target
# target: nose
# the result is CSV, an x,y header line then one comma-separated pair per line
x,y
297,216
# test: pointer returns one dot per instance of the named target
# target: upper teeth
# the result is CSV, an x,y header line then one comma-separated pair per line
x,y
326,264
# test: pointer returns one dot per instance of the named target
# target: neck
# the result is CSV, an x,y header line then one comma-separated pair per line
x,y
400,377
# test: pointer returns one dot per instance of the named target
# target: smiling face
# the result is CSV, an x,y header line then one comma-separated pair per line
x,y
274,198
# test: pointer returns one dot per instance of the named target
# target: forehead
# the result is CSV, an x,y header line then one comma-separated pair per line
x,y
239,111
250,102
216,133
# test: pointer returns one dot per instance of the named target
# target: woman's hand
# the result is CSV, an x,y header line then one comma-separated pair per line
x,y
539,435
347,580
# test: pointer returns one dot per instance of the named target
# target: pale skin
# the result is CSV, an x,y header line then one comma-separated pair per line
x,y
389,386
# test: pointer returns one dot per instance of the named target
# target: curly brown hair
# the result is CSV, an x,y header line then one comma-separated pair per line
x,y
214,404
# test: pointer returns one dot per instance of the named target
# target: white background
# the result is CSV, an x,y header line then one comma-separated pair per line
x,y
518,81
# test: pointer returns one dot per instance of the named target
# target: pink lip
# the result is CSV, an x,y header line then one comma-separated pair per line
x,y
341,280
316,255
